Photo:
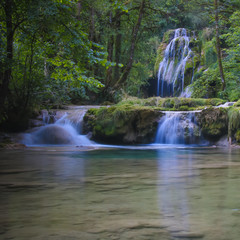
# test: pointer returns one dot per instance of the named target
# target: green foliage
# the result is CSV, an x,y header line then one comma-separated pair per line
x,y
234,121
208,85
160,56
52,58
137,79
171,104
210,55
237,136
232,61
237,104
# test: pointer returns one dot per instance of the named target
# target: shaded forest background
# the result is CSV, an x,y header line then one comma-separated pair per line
x,y
56,52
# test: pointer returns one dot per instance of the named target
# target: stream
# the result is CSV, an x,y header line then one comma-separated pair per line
x,y
64,186
111,193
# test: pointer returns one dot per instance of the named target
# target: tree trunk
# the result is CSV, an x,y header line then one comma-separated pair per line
x,y
128,67
8,71
79,8
110,53
218,47
118,46
92,26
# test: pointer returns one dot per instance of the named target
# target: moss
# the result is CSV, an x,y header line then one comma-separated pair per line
x,y
214,123
123,123
196,61
233,123
237,104
195,45
168,36
184,108
237,136
153,101
198,74
169,103
214,101
189,64
160,56
135,120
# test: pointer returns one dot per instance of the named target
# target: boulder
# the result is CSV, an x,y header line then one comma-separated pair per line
x,y
213,123
122,124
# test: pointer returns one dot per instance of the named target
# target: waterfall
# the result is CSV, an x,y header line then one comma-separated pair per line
x,y
67,130
171,69
178,128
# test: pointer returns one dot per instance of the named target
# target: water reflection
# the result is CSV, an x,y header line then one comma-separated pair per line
x,y
123,194
174,171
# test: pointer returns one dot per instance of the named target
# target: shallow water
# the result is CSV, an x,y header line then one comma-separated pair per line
x,y
166,193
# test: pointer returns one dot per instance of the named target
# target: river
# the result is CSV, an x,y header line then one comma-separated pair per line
x,y
118,193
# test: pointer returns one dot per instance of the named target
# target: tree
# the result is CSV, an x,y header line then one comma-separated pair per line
x,y
218,46
45,55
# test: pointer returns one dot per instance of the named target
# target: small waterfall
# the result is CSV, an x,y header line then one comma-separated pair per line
x,y
67,130
171,69
178,128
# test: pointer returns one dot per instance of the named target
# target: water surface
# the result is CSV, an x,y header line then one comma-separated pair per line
x,y
166,193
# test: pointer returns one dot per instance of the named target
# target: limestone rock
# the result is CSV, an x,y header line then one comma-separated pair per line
x,y
213,123
123,125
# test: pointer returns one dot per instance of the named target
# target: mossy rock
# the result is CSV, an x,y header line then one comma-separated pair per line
x,y
237,104
168,36
171,103
234,123
195,45
188,72
237,136
196,61
124,124
160,56
213,123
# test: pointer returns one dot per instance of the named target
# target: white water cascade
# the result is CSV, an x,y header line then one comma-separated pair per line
x,y
67,130
178,128
171,69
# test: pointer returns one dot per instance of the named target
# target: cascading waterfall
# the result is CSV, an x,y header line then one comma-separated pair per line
x,y
171,69
178,128
65,131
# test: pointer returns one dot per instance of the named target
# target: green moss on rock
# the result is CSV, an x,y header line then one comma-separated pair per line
x,y
234,124
171,103
195,45
135,120
160,56
213,123
237,104
168,36
237,136
123,124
